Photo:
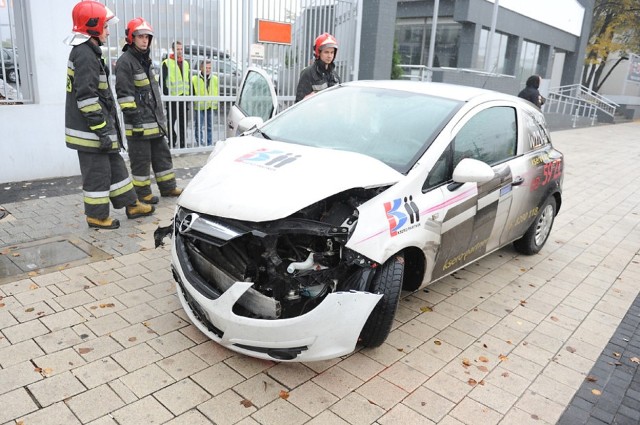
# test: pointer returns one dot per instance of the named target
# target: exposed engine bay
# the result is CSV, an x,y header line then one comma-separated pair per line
x,y
294,263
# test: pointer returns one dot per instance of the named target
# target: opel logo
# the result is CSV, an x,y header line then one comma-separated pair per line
x,y
187,223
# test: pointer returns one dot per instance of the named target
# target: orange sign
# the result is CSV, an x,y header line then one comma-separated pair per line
x,y
274,32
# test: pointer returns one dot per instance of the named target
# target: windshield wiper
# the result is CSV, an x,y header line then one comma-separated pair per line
x,y
262,133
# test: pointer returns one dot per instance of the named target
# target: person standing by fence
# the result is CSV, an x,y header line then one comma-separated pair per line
x,y
145,126
91,121
176,78
205,84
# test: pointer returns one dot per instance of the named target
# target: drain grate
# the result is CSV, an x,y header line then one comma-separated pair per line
x,y
45,256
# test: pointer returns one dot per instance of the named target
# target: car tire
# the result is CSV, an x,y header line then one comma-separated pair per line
x,y
388,282
538,233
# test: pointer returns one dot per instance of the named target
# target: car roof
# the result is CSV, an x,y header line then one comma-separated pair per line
x,y
444,90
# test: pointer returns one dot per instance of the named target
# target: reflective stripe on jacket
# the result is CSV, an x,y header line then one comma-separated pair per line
x,y
90,110
200,88
178,79
139,96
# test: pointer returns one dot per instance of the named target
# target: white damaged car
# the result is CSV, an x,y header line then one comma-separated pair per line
x,y
295,241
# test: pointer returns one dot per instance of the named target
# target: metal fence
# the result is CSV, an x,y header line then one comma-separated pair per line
x,y
225,31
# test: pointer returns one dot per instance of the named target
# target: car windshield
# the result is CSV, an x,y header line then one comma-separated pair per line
x,y
393,126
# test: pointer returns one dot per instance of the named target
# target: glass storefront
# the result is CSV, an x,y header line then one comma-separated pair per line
x,y
414,35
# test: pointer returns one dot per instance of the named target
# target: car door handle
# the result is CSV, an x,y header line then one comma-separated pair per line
x,y
517,181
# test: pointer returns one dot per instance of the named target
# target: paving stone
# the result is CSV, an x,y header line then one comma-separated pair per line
x,y
97,348
226,408
99,372
248,366
18,353
400,414
147,380
57,413
24,331
15,404
18,375
58,340
182,365
171,343
192,417
58,362
182,396
137,357
56,388
145,411
273,413
94,403
259,389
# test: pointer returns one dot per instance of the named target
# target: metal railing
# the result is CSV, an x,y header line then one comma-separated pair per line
x,y
579,102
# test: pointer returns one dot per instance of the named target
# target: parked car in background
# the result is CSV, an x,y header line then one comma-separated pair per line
x,y
9,66
229,74
295,240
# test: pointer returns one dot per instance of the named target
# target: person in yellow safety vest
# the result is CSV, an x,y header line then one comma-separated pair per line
x,y
176,78
205,84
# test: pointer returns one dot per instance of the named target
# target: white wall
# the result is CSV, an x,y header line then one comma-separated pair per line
x,y
32,136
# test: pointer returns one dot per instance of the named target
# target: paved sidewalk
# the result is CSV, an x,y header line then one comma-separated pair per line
x,y
91,331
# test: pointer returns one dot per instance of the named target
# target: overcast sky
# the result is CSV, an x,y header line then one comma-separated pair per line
x,y
566,15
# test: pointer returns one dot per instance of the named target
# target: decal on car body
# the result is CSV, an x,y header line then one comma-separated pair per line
x,y
266,158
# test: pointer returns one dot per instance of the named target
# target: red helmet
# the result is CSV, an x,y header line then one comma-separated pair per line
x,y
324,41
89,17
135,27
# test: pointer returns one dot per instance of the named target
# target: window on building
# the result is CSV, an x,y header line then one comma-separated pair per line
x,y
15,75
498,62
529,61
414,37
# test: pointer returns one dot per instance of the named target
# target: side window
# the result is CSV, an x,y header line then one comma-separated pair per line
x,y
255,98
490,137
441,171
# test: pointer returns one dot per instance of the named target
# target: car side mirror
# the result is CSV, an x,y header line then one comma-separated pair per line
x,y
472,170
247,123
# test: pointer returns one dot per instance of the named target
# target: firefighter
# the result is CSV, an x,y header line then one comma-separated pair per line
x,y
144,121
91,121
321,74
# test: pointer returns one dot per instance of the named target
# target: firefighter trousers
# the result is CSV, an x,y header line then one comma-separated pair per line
x,y
105,178
145,155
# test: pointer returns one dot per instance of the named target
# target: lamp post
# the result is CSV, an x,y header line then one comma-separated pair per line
x,y
494,18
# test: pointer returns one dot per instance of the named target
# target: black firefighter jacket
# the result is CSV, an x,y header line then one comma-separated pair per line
x,y
90,110
316,77
139,96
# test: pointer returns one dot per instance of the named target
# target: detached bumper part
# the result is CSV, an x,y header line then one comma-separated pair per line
x,y
328,331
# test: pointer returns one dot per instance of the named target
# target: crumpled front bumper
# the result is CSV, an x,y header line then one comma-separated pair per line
x,y
328,331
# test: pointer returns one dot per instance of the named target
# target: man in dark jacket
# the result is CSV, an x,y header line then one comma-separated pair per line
x,y
145,125
531,92
91,121
321,74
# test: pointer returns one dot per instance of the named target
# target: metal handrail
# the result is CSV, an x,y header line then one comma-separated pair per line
x,y
584,98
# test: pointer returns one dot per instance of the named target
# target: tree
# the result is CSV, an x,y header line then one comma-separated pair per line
x,y
614,30
396,70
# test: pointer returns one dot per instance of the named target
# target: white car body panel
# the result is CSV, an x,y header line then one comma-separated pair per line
x,y
238,181
329,330
254,179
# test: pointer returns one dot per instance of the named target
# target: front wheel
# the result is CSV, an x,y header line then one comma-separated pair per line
x,y
536,236
388,282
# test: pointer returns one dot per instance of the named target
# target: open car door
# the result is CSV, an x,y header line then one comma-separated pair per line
x,y
256,98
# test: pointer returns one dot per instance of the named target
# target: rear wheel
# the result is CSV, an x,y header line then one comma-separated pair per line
x,y
388,282
536,236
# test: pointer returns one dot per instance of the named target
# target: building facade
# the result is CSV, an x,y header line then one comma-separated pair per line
x,y
528,38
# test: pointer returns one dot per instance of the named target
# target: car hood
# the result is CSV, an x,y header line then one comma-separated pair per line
x,y
255,179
